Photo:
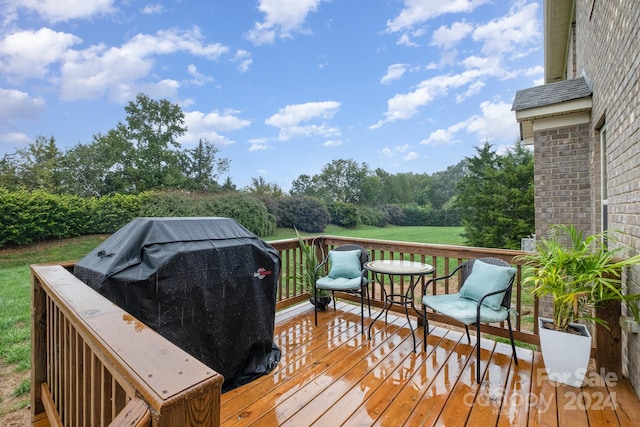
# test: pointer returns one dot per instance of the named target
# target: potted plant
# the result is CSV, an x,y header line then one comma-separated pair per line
x,y
308,266
579,273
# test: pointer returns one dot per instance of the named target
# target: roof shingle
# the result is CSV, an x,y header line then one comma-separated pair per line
x,y
552,93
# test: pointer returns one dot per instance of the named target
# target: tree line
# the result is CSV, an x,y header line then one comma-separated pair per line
x,y
490,194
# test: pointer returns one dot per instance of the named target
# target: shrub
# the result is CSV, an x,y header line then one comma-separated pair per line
x,y
246,209
373,216
304,213
344,214
33,216
394,214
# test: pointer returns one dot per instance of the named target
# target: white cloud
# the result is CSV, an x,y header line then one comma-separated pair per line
x,y
416,12
283,17
406,105
291,116
97,70
447,37
404,40
228,121
28,54
290,132
63,10
405,150
412,155
15,139
394,72
438,137
198,78
259,144
152,9
333,143
18,105
292,120
243,59
209,125
474,89
494,123
511,32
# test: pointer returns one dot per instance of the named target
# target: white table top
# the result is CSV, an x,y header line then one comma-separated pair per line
x,y
398,267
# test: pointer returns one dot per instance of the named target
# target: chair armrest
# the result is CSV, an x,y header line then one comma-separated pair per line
x,y
505,291
435,279
318,267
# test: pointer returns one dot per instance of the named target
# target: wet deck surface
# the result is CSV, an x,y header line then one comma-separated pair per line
x,y
332,375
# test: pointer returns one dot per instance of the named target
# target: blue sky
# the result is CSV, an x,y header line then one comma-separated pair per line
x,y
281,87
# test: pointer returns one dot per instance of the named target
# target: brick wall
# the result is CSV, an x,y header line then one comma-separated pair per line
x,y
608,49
563,175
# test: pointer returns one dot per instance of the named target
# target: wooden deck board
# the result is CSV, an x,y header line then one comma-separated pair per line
x,y
333,375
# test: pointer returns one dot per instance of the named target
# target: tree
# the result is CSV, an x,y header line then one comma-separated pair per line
x,y
204,168
442,186
496,197
260,187
303,186
9,178
100,168
35,167
142,155
340,181
153,128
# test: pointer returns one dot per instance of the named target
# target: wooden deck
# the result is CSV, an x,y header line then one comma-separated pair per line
x,y
333,375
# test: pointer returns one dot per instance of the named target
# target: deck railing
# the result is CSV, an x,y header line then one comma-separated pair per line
x,y
93,364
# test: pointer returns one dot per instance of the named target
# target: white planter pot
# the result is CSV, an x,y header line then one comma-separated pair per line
x,y
566,356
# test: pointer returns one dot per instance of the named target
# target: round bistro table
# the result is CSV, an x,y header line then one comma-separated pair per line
x,y
412,269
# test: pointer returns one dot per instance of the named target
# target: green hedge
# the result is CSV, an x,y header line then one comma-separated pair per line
x,y
247,210
33,216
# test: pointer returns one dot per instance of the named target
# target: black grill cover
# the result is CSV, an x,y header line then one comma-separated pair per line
x,y
208,285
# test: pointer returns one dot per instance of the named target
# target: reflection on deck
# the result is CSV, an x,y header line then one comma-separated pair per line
x,y
333,375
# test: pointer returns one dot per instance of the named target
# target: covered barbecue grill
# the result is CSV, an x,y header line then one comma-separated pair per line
x,y
206,284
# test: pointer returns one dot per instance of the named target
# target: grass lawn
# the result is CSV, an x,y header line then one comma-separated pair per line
x,y
15,292
440,235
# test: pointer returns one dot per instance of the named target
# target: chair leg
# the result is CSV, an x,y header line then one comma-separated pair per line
x,y
513,344
425,328
333,294
315,304
368,299
361,312
468,337
478,352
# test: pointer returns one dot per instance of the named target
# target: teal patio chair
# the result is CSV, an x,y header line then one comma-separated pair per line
x,y
346,274
485,297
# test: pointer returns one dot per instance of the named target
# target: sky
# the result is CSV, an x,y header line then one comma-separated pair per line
x,y
281,87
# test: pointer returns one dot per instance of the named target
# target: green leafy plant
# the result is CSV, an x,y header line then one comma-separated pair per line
x,y
308,266
579,273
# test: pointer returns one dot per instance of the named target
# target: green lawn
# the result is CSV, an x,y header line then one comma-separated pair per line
x,y
15,285
440,235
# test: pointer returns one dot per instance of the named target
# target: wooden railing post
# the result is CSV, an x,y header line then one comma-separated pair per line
x,y
38,345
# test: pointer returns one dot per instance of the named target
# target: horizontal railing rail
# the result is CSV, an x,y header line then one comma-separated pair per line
x,y
93,364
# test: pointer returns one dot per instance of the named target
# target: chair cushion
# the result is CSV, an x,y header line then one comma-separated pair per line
x,y
463,309
486,278
345,264
339,283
